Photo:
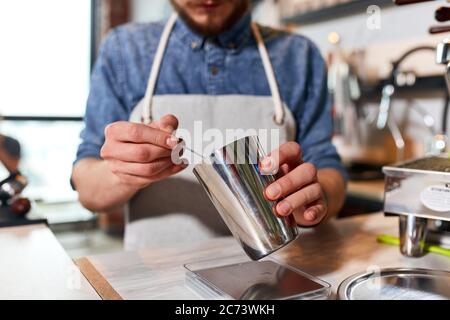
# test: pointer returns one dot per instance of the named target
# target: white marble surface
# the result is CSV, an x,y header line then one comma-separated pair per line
x,y
33,265
332,252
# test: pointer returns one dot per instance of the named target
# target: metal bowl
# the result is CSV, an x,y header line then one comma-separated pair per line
x,y
396,284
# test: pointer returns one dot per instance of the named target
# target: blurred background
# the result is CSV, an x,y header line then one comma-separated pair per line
x,y
389,93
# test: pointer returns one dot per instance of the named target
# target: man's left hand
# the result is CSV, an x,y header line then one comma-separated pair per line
x,y
297,190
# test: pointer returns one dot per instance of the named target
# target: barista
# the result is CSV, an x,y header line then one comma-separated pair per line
x,y
207,63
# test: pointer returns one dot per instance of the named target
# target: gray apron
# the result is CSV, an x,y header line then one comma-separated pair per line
x,y
177,209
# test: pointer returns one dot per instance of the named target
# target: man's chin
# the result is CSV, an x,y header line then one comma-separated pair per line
x,y
212,24
208,27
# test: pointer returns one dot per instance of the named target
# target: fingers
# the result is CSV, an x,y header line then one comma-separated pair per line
x,y
134,181
140,133
143,170
118,136
298,193
289,153
293,181
299,199
132,152
142,182
170,171
141,154
312,215
168,123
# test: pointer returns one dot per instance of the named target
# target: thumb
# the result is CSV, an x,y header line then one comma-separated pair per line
x,y
168,123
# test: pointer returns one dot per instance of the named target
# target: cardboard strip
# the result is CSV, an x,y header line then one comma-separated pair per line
x,y
97,281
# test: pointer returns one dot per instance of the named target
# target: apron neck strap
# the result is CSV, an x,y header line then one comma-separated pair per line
x,y
157,61
270,74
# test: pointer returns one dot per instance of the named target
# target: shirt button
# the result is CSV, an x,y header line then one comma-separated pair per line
x,y
214,71
194,45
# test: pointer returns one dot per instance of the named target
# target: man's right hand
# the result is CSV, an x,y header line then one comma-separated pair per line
x,y
139,154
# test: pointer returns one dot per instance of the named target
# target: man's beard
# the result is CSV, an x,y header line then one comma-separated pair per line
x,y
213,30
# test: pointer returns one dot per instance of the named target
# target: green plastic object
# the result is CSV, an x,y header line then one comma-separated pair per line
x,y
387,239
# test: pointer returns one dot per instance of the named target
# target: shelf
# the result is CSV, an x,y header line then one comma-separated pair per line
x,y
336,11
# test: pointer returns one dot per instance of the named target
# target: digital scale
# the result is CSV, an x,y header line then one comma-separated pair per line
x,y
237,278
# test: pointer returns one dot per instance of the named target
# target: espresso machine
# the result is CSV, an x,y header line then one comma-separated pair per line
x,y
418,191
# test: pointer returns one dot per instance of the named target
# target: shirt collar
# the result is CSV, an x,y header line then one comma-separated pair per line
x,y
238,34
234,38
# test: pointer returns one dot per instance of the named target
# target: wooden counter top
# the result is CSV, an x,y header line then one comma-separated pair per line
x,y
332,252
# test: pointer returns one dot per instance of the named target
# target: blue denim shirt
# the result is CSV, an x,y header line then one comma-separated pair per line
x,y
230,64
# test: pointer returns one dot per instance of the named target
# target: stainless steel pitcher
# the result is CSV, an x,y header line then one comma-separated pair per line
x,y
235,185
